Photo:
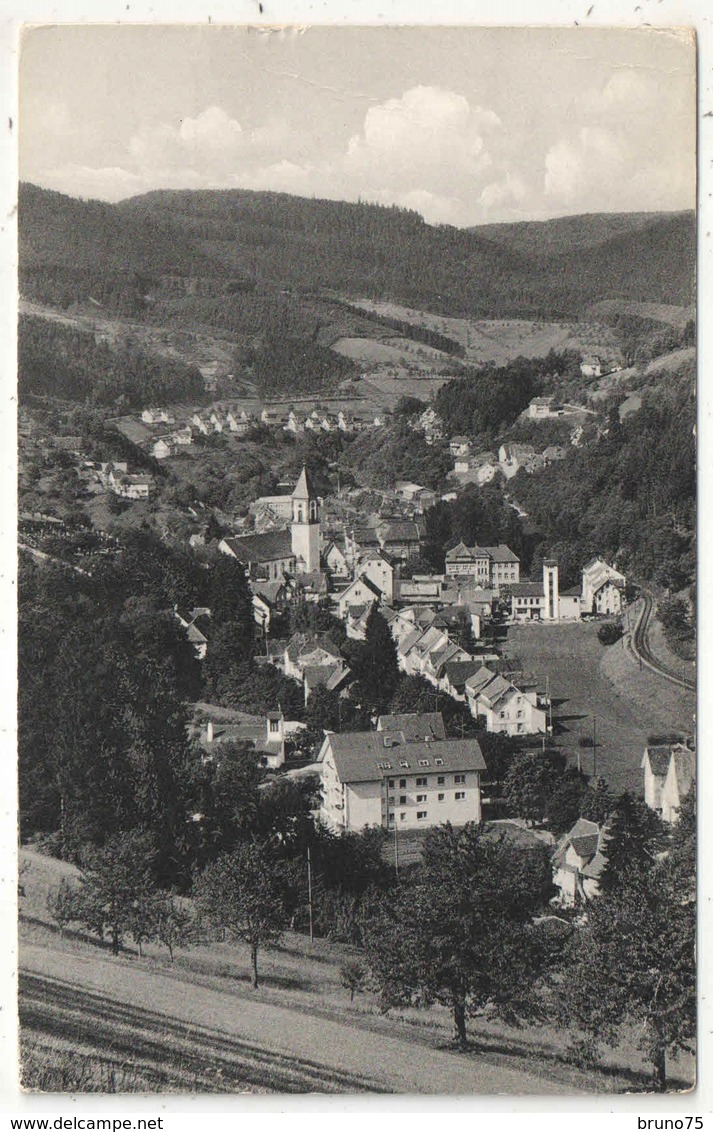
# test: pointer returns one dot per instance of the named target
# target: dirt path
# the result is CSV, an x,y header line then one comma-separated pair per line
x,y
322,1055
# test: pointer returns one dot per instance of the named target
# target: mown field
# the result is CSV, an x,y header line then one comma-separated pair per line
x,y
589,681
92,1022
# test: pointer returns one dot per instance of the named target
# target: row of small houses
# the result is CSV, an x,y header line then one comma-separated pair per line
x,y
239,421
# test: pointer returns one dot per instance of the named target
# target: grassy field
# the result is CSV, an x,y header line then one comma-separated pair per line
x,y
588,680
501,340
92,1022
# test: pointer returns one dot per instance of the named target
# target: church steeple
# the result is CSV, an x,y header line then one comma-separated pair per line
x,y
305,524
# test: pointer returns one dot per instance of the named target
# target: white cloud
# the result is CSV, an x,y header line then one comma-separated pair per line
x,y
425,136
576,165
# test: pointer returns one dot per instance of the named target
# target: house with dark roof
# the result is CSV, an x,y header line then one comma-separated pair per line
x,y
400,538
669,773
385,779
305,650
414,726
506,709
578,863
680,777
489,566
361,592
378,567
602,588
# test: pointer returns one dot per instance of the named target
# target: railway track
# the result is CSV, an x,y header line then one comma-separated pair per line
x,y
638,642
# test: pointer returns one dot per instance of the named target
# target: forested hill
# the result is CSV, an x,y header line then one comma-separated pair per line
x,y
567,234
267,239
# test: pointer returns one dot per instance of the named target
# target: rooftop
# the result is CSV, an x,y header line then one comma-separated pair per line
x,y
369,756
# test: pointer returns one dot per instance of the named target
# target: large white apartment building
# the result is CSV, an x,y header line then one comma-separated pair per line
x,y
388,778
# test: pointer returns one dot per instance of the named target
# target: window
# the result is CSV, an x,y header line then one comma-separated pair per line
x,y
402,800
421,815
441,780
384,766
460,795
520,714
402,782
274,725
404,765
422,782
402,816
392,782
459,778
423,762
420,797
502,715
438,762
441,797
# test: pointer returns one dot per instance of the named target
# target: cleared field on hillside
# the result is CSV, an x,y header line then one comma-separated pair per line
x,y
657,312
199,1026
501,340
394,351
588,680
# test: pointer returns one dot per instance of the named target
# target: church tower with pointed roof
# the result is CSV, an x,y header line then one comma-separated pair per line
x,y
305,528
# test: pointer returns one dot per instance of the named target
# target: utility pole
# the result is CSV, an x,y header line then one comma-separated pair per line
x,y
309,894
594,741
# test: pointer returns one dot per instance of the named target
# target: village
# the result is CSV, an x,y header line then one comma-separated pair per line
x,y
357,563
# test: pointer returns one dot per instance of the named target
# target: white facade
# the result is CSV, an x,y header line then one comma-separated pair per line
x,y
404,801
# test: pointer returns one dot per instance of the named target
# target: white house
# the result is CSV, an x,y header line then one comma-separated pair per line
x,y
379,569
680,777
459,445
157,416
335,560
602,588
591,366
361,592
381,778
507,710
669,772
579,862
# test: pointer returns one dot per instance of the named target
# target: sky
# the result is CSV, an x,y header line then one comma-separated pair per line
x,y
465,125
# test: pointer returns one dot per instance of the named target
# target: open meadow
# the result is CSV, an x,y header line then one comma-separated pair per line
x,y
588,681
93,1022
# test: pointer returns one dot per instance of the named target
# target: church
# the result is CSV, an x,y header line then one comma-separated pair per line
x,y
295,550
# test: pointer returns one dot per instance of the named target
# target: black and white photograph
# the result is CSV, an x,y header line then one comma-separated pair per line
x,y
357,559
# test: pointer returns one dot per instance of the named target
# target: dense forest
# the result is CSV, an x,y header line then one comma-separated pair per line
x,y
631,496
358,249
60,361
496,395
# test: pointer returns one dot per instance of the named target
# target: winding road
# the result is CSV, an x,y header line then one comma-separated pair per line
x,y
639,645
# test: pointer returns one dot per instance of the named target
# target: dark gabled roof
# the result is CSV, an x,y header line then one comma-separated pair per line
x,y
314,580
659,758
268,591
501,553
302,643
400,531
458,671
572,591
365,581
526,589
357,755
267,547
414,726
365,536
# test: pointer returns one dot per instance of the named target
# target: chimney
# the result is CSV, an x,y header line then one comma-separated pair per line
x,y
209,731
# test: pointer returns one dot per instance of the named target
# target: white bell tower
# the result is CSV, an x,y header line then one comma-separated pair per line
x,y
550,582
305,526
